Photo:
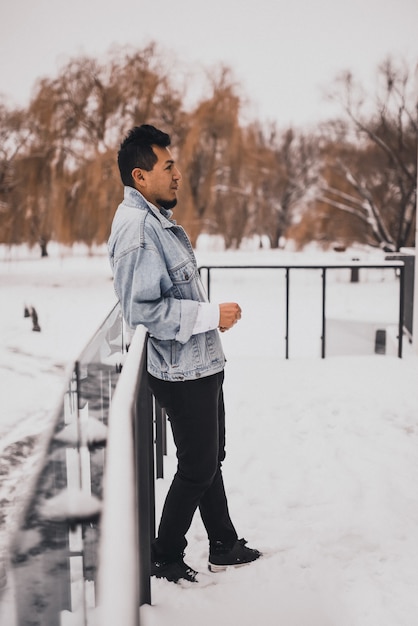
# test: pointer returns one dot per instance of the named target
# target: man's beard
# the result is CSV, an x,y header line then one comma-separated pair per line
x,y
167,204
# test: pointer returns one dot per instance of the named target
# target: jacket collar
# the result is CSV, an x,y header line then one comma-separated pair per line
x,y
134,198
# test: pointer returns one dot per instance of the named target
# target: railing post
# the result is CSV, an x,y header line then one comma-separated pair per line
x,y
401,309
287,311
208,283
145,486
324,285
160,438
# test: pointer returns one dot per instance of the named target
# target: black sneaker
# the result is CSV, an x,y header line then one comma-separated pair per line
x,y
220,558
175,572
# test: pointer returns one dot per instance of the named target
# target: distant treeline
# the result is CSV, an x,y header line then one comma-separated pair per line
x,y
348,180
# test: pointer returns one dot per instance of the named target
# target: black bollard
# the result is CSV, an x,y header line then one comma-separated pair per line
x,y
35,325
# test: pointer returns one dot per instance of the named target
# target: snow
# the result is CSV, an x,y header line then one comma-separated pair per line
x,y
70,504
321,466
72,294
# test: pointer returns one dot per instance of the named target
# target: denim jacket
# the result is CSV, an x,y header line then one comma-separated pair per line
x,y
158,285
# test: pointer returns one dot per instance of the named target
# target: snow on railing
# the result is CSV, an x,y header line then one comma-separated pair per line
x,y
123,563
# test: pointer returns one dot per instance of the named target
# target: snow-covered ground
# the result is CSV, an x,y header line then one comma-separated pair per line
x,y
72,295
321,466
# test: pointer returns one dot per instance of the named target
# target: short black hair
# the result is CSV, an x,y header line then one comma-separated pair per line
x,y
136,150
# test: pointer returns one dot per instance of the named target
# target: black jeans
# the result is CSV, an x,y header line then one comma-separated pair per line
x,y
197,416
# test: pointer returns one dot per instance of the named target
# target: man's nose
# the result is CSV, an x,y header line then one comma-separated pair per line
x,y
176,174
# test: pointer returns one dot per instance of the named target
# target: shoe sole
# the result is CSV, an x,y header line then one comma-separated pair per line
x,y
222,568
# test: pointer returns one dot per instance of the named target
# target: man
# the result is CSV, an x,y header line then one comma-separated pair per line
x,y
158,285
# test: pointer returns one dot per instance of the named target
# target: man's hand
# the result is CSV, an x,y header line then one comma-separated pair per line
x,y
229,314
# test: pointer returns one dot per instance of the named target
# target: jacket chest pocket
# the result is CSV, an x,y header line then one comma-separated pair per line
x,y
183,279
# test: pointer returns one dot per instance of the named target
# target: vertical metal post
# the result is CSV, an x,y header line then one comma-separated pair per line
x,y
78,399
324,285
401,308
287,311
415,299
145,486
164,431
160,439
208,282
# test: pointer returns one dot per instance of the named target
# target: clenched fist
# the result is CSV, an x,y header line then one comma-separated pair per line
x,y
229,314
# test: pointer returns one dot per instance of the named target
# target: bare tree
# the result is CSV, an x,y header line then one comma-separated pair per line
x,y
13,138
375,171
59,178
211,155
282,169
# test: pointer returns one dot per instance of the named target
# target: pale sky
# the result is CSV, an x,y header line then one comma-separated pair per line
x,y
284,53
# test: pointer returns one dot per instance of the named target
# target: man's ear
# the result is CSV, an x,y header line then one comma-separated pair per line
x,y
138,178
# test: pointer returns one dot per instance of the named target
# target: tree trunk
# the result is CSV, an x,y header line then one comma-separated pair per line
x,y
43,245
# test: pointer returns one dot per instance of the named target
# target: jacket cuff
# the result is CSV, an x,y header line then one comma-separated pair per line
x,y
188,315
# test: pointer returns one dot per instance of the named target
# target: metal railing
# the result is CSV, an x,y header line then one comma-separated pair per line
x,y
324,268
81,548
54,551
135,451
124,553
